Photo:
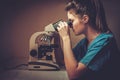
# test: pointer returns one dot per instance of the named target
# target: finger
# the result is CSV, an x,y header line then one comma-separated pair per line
x,y
61,24
58,28
65,24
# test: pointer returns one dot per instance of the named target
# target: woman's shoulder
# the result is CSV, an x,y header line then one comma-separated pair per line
x,y
106,35
102,40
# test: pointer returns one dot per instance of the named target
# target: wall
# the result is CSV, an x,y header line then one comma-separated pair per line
x,y
113,17
19,19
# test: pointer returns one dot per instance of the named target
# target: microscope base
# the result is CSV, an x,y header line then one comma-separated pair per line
x,y
43,65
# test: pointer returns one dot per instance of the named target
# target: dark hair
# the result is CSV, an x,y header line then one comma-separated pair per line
x,y
94,9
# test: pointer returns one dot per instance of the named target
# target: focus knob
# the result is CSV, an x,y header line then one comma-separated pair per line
x,y
33,53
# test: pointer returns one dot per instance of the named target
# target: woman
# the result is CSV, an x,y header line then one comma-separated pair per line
x,y
95,56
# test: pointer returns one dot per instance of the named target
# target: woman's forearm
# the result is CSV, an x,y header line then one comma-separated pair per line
x,y
70,61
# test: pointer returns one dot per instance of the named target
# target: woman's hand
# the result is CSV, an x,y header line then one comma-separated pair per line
x,y
63,29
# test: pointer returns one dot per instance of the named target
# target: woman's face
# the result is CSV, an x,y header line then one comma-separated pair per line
x,y
77,24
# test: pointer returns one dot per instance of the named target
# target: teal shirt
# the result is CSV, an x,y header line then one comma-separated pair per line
x,y
98,56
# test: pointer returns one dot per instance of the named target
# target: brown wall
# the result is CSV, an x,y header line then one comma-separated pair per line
x,y
19,19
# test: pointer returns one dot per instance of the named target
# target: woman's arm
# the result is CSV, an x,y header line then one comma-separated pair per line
x,y
74,69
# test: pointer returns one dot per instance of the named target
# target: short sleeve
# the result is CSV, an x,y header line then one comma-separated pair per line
x,y
80,49
97,53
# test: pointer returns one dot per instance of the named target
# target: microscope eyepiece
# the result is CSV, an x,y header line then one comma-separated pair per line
x,y
55,25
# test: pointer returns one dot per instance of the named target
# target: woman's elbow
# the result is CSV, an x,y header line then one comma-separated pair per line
x,y
73,75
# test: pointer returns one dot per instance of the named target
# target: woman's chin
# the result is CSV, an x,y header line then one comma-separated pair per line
x,y
76,33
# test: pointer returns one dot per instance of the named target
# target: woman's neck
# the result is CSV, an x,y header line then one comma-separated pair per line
x,y
91,34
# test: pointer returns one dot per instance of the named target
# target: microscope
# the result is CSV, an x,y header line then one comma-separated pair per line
x,y
45,51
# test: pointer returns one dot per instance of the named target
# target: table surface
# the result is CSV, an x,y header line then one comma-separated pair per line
x,y
22,73
33,75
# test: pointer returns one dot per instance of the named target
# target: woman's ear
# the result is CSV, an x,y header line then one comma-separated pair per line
x,y
85,18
